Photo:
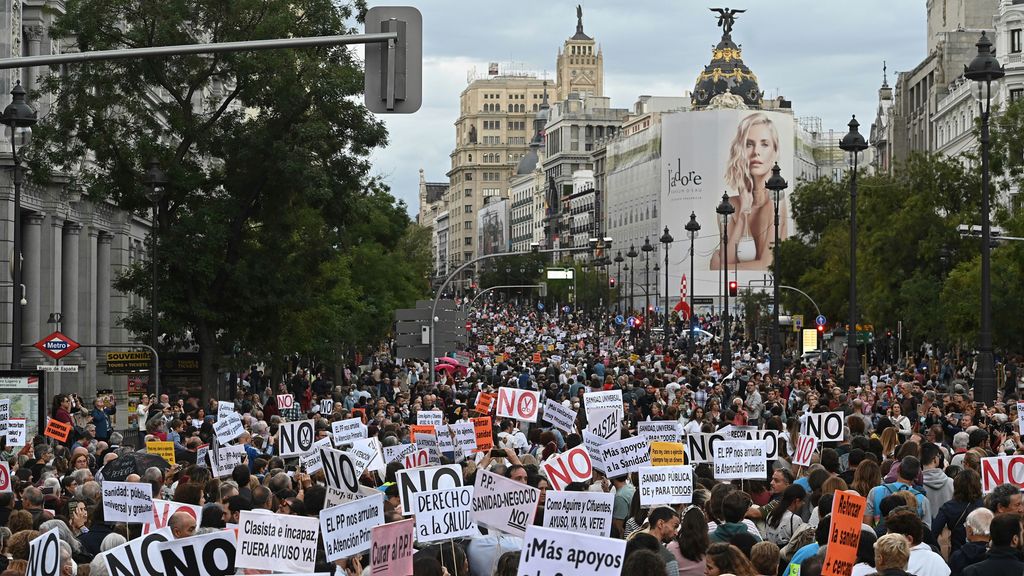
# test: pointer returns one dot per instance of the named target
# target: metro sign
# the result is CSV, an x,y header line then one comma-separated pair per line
x,y
56,345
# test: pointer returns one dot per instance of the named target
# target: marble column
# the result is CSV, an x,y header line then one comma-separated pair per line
x,y
103,289
69,280
31,319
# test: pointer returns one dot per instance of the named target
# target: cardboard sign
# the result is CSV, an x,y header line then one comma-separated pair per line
x,y
700,447
667,454
844,536
604,399
295,439
464,436
997,470
285,401
288,543
666,485
57,430
503,504
522,405
311,460
227,458
547,551
805,448
164,450
625,456
5,415
127,502
343,431
391,553
44,554
1020,417
738,459
443,514
17,432
417,459
5,477
430,418
326,406
138,556
583,512
605,423
228,428
484,433
210,554
361,412
411,482
397,453
347,528
484,402
429,443
570,466
536,358
419,429
225,409
559,416
593,445
660,431
164,509
340,470
825,426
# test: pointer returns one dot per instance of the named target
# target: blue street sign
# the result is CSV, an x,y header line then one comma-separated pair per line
x,y
619,319
820,320
631,321
540,305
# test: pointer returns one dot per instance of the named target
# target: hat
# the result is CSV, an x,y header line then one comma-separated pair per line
x,y
959,389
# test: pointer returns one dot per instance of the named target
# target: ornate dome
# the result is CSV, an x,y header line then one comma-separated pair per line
x,y
726,73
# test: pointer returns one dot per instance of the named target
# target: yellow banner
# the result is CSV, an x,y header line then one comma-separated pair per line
x,y
810,339
666,454
163,449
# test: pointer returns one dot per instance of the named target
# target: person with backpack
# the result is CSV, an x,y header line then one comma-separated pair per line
x,y
782,521
907,471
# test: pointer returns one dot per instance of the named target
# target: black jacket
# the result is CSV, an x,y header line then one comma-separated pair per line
x,y
969,553
1001,561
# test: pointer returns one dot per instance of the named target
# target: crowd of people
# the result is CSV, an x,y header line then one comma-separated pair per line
x,y
913,445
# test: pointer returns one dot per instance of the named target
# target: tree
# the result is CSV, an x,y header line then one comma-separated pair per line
x,y
270,232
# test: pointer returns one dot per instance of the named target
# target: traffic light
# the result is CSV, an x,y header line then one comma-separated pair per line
x,y
733,288
888,333
821,328
611,282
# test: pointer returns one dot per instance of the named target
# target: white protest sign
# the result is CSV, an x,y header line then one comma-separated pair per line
x,y
210,554
336,497
559,416
625,456
430,443
603,399
605,423
411,482
340,470
737,432
660,431
127,502
584,512
164,509
347,528
738,459
518,404
443,514
311,460
196,423
593,444
1020,417
445,443
5,415
371,447
343,431
288,543
391,554
326,406
285,401
805,447
416,459
547,551
397,453
430,418
574,465
44,554
502,504
825,426
138,556
666,485
227,458
5,477
295,438
224,409
464,436
228,428
17,432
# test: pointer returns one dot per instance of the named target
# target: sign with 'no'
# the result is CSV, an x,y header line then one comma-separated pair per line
x,y
518,404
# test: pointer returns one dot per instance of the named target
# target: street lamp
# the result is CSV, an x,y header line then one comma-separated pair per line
x,y
618,279
984,69
156,182
647,248
666,239
776,183
19,118
692,228
631,255
724,210
853,142
55,319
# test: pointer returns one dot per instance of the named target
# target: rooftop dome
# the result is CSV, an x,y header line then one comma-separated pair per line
x,y
528,163
726,73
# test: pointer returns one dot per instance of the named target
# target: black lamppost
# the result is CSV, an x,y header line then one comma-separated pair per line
x,y
583,301
155,181
984,69
666,239
618,280
692,227
853,142
776,183
647,248
631,255
724,211
19,118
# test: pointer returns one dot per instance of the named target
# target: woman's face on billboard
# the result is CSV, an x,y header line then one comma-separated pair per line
x,y
760,150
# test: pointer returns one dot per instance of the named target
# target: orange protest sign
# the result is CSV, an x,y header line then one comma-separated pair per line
x,y
484,433
361,412
420,429
57,430
847,514
536,357
484,402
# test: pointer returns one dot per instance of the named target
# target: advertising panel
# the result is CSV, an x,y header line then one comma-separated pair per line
x,y
492,228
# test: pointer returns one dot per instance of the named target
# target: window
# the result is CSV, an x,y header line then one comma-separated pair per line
x,y
517,140
469,193
468,241
467,209
469,176
492,124
1016,94
492,140
1015,43
468,225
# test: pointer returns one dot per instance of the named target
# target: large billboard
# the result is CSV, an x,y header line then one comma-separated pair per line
x,y
492,228
710,152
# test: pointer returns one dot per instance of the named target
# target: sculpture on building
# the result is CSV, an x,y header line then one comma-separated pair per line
x,y
726,18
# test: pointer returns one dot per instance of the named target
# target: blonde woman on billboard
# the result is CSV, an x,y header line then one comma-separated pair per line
x,y
753,152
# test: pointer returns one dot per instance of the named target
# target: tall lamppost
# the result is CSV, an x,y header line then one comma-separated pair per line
x,y
156,182
724,211
647,248
776,183
667,240
631,255
692,228
984,69
853,142
19,118
618,280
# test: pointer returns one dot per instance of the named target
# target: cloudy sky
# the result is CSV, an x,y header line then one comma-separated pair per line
x,y
823,55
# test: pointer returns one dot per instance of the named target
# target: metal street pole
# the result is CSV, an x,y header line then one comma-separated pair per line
x,y
667,240
155,181
853,142
692,228
632,254
725,210
618,282
776,184
647,248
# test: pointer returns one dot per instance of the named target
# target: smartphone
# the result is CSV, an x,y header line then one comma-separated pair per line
x,y
498,453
